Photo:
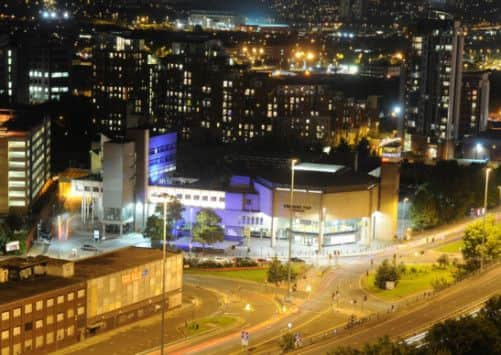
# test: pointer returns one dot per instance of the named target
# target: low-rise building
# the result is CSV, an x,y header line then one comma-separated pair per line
x,y
47,304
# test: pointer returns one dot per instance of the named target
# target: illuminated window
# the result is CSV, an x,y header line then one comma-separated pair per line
x,y
28,308
5,316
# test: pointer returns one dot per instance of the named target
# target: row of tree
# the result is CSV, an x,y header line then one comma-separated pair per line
x,y
447,191
206,230
465,336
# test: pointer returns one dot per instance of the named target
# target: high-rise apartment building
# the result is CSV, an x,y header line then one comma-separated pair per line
x,y
120,83
432,90
24,158
34,67
474,104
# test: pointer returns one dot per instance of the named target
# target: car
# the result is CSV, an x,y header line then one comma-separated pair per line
x,y
89,247
297,260
220,260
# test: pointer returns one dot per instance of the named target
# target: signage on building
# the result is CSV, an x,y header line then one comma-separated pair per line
x,y
12,246
298,208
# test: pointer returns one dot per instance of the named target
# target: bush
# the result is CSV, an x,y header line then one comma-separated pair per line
x,y
288,342
443,261
245,262
278,272
440,284
386,272
402,269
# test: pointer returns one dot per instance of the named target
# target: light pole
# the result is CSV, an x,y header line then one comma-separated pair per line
x,y
405,217
164,252
487,172
291,213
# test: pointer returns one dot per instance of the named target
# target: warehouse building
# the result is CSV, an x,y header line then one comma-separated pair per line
x,y
47,304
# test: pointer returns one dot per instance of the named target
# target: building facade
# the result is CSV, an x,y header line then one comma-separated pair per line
x,y
25,155
474,104
261,204
432,89
48,304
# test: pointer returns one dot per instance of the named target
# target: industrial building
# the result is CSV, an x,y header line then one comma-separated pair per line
x,y
47,304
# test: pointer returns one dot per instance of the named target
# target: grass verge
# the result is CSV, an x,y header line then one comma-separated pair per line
x,y
205,324
453,247
417,278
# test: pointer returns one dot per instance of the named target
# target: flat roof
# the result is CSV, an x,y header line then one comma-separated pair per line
x,y
12,291
342,180
85,269
116,261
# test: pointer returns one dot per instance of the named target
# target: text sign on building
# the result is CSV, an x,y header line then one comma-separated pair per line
x,y
12,246
297,208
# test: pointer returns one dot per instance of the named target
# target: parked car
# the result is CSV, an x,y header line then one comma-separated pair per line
x,y
297,260
89,247
220,260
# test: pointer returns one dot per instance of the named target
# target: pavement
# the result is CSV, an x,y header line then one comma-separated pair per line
x,y
145,334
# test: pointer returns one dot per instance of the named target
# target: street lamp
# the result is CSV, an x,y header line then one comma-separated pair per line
x,y
487,172
291,212
164,252
405,216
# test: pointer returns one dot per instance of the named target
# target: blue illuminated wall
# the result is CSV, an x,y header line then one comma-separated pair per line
x,y
161,157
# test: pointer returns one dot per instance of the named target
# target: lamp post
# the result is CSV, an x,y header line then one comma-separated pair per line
x,y
487,172
291,215
406,200
164,252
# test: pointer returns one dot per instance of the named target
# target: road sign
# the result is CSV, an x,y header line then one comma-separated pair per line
x,y
12,246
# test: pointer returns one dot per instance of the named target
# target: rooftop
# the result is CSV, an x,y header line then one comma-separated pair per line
x,y
115,261
343,179
84,269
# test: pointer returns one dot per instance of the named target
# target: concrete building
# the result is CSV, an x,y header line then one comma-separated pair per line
x,y
474,104
260,204
120,83
432,88
114,191
25,166
47,304
215,20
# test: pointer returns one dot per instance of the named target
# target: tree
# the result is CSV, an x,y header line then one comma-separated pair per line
x,y
288,342
5,236
155,223
364,148
207,229
424,210
483,230
278,272
492,312
343,146
385,272
154,227
466,336
382,346
14,221
443,261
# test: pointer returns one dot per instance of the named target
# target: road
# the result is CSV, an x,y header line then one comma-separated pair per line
x,y
447,304
324,313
